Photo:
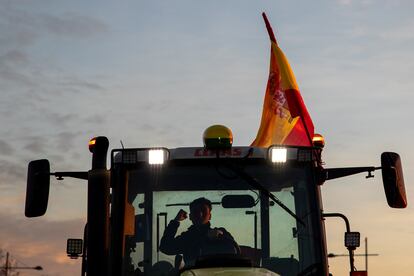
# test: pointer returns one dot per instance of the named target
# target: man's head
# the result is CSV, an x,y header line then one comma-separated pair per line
x,y
200,211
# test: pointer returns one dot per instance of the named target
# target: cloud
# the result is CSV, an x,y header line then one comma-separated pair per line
x,y
66,140
29,79
5,148
96,119
402,32
21,28
13,70
12,77
14,56
62,120
40,242
30,230
61,148
11,172
72,25
17,27
36,145
355,2
345,2
82,84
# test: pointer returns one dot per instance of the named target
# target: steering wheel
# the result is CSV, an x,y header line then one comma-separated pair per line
x,y
313,269
218,246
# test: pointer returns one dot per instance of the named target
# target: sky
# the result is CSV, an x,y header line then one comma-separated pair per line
x,y
157,73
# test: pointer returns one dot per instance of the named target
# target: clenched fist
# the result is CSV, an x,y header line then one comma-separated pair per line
x,y
181,215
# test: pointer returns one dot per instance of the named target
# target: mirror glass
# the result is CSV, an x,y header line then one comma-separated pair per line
x,y
392,177
237,201
37,190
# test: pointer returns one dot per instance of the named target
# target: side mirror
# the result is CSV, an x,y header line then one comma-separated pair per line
x,y
237,201
392,177
37,190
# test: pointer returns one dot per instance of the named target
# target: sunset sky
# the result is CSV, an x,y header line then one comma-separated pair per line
x,y
157,73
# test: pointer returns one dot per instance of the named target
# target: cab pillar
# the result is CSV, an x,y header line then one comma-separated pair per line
x,y
98,209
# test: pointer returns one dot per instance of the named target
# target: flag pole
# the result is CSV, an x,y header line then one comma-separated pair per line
x,y
269,29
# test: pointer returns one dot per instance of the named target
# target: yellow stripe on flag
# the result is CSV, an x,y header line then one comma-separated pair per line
x,y
288,80
276,122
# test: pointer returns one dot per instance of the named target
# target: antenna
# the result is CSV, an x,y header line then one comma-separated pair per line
x,y
122,144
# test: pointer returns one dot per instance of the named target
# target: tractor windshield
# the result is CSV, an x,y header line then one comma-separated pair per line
x,y
242,226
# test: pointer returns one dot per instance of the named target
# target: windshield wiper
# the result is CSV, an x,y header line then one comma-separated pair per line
x,y
256,184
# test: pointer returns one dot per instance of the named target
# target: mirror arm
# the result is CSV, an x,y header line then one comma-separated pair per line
x,y
61,175
348,229
333,173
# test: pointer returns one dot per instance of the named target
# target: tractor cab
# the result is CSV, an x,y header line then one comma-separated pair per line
x,y
266,199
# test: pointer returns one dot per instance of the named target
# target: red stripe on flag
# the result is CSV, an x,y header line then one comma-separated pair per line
x,y
298,136
297,108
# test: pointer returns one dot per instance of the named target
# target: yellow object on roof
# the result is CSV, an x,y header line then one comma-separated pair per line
x,y
217,137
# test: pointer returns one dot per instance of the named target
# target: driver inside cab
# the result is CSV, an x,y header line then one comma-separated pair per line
x,y
199,239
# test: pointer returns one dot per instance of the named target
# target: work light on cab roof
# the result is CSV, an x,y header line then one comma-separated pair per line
x,y
218,137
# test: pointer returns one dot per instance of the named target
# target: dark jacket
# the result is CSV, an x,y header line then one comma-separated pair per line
x,y
191,242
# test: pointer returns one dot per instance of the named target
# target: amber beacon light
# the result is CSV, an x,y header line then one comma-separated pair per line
x,y
217,137
92,144
318,141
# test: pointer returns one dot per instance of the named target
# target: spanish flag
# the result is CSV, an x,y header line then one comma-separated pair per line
x,y
285,119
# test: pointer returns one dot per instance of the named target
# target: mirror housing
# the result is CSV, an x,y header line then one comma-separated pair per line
x,y
392,177
238,201
37,190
